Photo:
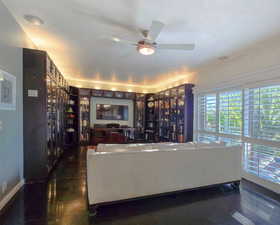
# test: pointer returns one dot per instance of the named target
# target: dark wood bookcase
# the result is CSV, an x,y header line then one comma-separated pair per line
x,y
150,118
166,116
176,114
72,119
169,115
45,97
139,116
84,110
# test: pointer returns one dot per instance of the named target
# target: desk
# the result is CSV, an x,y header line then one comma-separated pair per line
x,y
112,135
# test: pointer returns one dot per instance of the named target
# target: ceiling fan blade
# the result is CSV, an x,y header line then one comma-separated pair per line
x,y
122,41
155,30
176,46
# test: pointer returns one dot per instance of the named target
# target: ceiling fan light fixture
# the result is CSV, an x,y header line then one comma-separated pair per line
x,y
146,49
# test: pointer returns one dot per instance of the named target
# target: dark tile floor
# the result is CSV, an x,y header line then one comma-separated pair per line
x,y
63,202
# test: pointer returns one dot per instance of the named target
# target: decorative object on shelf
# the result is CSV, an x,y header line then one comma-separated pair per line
x,y
70,130
85,123
71,116
119,94
151,104
129,95
181,102
108,94
69,110
97,93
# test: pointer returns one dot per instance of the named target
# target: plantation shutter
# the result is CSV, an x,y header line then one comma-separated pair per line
x,y
207,112
262,124
230,112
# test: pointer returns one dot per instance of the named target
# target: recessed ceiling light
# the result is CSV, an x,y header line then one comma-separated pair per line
x,y
35,20
116,39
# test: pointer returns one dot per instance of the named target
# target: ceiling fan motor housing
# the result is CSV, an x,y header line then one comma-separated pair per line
x,y
146,43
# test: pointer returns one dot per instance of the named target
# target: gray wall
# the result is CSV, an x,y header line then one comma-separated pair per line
x,y
12,40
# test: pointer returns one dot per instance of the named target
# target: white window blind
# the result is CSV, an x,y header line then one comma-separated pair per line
x,y
263,161
230,112
207,112
250,117
262,113
262,122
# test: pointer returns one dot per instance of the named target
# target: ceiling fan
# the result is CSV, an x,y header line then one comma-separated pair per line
x,y
148,45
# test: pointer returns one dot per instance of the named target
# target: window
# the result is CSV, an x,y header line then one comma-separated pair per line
x,y
250,117
263,161
230,112
262,123
262,117
207,104
207,138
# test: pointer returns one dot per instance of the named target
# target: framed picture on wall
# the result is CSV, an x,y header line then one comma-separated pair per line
x,y
7,91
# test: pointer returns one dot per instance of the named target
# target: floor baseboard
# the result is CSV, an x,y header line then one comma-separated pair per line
x,y
11,194
264,183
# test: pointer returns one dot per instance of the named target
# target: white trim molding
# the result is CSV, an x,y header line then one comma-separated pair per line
x,y
262,182
11,194
244,80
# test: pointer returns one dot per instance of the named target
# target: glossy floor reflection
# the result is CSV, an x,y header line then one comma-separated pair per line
x,y
63,202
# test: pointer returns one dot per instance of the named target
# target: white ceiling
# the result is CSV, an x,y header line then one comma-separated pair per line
x,y
76,32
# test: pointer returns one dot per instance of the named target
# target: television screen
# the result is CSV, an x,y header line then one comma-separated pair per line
x,y
111,112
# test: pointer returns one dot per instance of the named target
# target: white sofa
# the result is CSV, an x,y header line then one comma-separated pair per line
x,y
123,172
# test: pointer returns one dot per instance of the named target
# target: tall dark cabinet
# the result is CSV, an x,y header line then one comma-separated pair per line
x,y
176,114
45,97
139,116
150,118
72,119
84,99
169,115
